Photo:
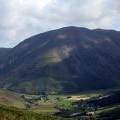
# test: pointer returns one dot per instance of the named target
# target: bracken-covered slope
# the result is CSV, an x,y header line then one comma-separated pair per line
x,y
69,59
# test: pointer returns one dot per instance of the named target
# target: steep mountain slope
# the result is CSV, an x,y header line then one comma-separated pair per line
x,y
69,59
3,52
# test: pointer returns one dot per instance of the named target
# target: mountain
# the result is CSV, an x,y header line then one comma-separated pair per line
x,y
3,52
68,59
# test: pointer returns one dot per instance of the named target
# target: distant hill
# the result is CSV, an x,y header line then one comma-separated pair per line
x,y
69,59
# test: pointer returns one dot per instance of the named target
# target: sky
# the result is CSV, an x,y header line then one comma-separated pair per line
x,y
21,19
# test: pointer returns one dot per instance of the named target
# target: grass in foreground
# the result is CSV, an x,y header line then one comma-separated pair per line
x,y
11,113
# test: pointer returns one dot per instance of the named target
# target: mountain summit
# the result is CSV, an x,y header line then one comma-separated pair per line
x,y
69,59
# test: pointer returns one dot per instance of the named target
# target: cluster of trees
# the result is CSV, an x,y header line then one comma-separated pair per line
x,y
106,100
91,106
81,111
32,101
112,114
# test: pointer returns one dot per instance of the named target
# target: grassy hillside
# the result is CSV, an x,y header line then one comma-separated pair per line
x,y
10,98
11,113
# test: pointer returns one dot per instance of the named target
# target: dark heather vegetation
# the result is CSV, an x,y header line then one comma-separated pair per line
x,y
70,59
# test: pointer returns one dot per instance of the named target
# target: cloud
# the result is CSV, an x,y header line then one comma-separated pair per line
x,y
23,18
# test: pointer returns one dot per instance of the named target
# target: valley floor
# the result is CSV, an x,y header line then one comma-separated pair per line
x,y
96,105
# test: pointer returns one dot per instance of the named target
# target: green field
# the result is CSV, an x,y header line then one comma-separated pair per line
x,y
48,105
18,100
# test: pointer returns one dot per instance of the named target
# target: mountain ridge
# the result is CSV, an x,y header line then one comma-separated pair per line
x,y
63,60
